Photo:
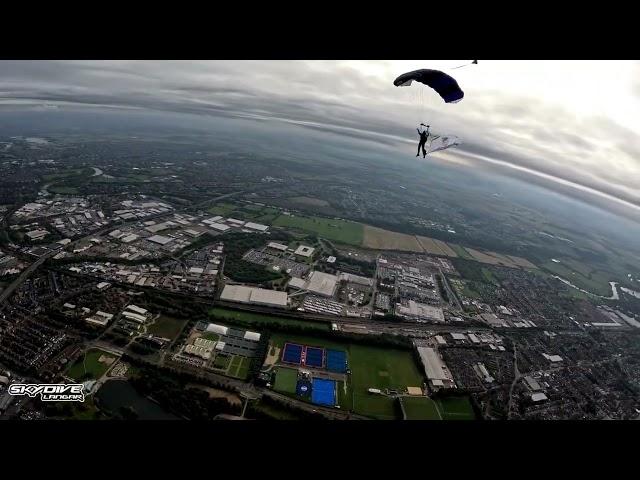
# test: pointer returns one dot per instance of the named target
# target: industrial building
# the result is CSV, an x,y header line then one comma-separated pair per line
x,y
256,296
435,369
256,226
235,221
538,397
420,311
277,246
159,227
304,251
129,238
221,227
160,239
37,234
350,278
100,318
320,283
532,383
137,309
552,358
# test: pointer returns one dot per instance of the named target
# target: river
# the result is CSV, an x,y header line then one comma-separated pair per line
x,y
633,293
614,290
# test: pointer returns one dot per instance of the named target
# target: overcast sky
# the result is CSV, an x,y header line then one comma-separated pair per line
x,y
573,123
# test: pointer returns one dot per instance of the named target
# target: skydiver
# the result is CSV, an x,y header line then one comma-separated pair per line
x,y
424,136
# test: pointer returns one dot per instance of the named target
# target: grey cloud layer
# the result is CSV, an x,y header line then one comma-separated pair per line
x,y
334,97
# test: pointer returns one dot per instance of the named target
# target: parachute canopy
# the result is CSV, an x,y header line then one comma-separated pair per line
x,y
443,142
442,83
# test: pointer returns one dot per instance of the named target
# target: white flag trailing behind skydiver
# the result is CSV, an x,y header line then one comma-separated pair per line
x,y
443,142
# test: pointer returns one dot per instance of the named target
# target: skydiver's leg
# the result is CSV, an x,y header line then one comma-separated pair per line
x,y
424,151
419,145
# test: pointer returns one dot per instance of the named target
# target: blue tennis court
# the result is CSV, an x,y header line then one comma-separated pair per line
x,y
337,361
292,353
323,392
314,357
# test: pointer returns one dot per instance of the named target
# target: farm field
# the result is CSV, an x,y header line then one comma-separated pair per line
x,y
380,239
342,231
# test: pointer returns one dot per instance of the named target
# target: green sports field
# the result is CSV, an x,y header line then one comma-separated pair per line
x,y
371,367
375,367
167,327
456,408
421,408
88,365
223,209
286,379
342,231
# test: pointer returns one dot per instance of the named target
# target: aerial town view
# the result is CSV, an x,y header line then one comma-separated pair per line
x,y
219,249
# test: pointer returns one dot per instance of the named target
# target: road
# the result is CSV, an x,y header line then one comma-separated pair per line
x,y
6,293
450,291
516,377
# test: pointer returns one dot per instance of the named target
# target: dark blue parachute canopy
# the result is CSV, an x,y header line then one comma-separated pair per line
x,y
442,83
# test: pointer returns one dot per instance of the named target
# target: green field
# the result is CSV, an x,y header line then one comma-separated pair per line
x,y
76,172
421,408
490,277
257,318
222,361
211,336
342,231
63,190
167,327
88,365
375,367
223,209
456,408
371,367
469,292
243,369
345,399
462,253
286,379
595,282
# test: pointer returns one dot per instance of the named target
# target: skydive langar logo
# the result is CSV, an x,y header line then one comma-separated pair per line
x,y
50,392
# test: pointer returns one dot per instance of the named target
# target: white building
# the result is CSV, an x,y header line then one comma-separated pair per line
x,y
160,239
320,283
420,311
277,246
221,227
435,369
235,221
129,238
215,328
256,226
137,309
37,234
257,296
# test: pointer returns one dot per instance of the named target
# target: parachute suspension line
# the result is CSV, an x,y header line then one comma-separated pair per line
x,y
475,62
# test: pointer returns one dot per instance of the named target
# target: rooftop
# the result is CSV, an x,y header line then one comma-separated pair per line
x,y
304,251
160,239
243,294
